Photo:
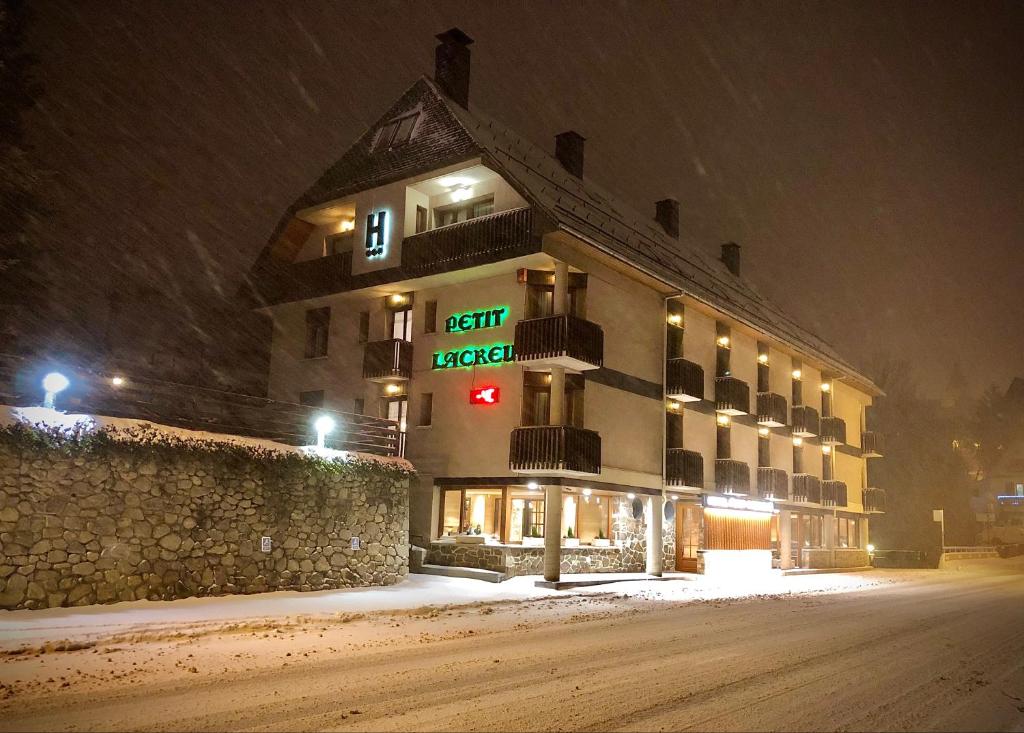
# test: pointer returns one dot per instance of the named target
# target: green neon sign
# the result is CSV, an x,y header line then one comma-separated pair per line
x,y
471,356
475,320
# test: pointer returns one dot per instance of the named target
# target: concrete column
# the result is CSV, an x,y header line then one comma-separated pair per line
x,y
863,524
557,396
828,532
561,304
552,533
785,539
655,542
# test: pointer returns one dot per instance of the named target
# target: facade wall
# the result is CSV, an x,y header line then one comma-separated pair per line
x,y
125,521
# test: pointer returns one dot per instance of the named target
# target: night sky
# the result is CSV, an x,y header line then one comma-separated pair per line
x,y
868,157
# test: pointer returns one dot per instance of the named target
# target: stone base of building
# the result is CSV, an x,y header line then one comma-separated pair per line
x,y
516,560
834,558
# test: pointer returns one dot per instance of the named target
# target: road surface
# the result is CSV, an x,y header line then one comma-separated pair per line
x,y
896,650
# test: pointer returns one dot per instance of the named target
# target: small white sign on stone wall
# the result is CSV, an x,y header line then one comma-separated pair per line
x,y
265,544
355,543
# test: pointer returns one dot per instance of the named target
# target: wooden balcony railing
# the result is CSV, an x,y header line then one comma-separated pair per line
x,y
874,500
684,380
833,493
772,483
731,476
805,421
872,444
561,340
833,431
480,240
732,396
390,359
284,282
771,409
555,449
684,468
806,488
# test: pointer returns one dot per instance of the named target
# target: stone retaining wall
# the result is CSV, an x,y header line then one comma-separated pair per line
x,y
81,525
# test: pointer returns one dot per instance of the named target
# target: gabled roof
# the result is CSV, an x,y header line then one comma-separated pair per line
x,y
449,133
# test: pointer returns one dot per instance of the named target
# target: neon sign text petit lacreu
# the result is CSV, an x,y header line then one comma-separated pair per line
x,y
473,356
474,320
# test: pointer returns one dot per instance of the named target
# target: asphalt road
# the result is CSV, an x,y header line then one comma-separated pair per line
x,y
920,650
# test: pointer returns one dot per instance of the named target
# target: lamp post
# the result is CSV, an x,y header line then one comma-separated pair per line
x,y
53,383
324,425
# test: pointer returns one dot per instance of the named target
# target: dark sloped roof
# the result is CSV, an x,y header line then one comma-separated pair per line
x,y
453,133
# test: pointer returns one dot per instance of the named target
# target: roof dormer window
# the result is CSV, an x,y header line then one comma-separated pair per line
x,y
397,132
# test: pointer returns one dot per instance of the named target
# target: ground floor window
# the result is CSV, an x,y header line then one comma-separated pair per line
x,y
847,532
688,519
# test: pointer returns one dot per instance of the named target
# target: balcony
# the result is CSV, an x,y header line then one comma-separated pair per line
x,y
806,488
732,396
478,241
684,468
387,360
833,431
871,444
771,410
772,483
284,282
732,477
833,493
555,450
805,421
563,340
684,381
874,501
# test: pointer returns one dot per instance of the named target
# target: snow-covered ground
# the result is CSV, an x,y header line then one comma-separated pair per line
x,y
882,650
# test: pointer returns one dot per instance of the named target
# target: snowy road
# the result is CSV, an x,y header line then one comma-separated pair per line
x,y
887,650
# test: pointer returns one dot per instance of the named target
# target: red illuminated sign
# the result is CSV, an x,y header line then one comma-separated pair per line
x,y
484,396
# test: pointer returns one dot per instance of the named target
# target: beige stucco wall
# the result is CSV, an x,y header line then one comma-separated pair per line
x,y
699,433
851,470
699,346
848,404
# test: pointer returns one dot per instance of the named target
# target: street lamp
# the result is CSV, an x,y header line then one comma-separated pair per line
x,y
53,383
324,425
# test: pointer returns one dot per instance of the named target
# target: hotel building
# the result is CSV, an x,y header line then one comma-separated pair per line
x,y
578,388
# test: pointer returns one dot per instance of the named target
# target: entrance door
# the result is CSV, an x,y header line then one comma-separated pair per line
x,y
688,518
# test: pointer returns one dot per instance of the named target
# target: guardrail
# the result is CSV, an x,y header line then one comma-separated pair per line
x,y
195,408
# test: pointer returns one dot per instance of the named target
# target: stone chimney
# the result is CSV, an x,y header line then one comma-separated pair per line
x,y
569,151
731,257
451,65
666,213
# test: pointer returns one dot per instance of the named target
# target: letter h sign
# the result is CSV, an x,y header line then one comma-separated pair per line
x,y
375,234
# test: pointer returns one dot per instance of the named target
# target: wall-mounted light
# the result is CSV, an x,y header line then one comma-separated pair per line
x,y
798,441
764,432
53,383
533,486
762,358
324,424
723,341
346,225
392,389
117,381
826,387
722,419
462,194
673,405
826,449
675,319
797,374
396,299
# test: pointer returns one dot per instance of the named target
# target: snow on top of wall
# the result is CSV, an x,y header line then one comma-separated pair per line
x,y
133,430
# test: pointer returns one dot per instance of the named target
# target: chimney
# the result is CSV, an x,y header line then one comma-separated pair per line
x,y
731,257
666,213
569,151
451,65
